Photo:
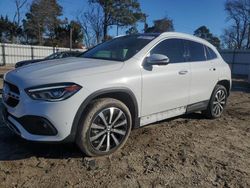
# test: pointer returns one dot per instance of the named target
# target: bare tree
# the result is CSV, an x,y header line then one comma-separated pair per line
x,y
239,14
95,21
88,34
229,38
91,22
19,5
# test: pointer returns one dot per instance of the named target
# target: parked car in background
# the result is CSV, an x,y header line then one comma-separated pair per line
x,y
128,82
57,55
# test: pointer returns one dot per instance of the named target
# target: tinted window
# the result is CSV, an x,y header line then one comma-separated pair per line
x,y
119,49
210,54
196,51
53,56
65,55
173,48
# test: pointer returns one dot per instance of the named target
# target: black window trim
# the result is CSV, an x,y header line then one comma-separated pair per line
x,y
205,52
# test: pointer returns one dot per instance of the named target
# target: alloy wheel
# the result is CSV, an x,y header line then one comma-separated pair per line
x,y
108,129
219,102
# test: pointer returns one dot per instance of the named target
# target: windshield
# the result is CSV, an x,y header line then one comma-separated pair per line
x,y
119,49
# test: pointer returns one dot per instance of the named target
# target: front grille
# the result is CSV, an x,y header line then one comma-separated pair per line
x,y
11,94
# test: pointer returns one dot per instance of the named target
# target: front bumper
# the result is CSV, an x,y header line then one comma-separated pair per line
x,y
42,125
42,121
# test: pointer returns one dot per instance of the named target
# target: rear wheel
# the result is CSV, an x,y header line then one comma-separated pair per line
x,y
105,128
217,102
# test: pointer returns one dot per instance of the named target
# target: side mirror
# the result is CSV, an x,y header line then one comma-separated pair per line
x,y
157,59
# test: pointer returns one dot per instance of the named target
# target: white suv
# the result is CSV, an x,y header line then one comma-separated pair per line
x,y
128,82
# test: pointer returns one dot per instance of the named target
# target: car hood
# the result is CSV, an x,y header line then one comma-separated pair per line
x,y
62,69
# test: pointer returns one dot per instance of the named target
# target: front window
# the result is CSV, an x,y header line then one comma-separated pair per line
x,y
172,48
119,49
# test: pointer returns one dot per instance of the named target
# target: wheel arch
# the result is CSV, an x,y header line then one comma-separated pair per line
x,y
226,84
125,95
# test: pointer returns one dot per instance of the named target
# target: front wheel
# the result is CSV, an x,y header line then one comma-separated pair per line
x,y
217,102
105,128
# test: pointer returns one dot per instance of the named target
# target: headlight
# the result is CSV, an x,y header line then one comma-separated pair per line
x,y
53,93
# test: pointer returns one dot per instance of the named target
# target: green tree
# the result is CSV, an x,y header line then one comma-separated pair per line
x,y
9,31
120,13
204,32
160,26
132,30
42,19
62,33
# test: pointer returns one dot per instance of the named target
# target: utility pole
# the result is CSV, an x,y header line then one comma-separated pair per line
x,y
70,38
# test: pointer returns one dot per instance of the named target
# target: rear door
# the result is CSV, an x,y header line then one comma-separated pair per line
x,y
204,74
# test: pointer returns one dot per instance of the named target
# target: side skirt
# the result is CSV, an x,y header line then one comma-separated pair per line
x,y
162,115
173,113
199,106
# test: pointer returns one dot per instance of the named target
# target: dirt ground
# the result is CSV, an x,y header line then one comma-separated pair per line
x,y
4,69
187,151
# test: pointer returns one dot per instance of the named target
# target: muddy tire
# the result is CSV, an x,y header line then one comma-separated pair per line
x,y
105,127
217,102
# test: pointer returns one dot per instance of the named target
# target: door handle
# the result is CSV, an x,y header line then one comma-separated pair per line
x,y
212,69
183,72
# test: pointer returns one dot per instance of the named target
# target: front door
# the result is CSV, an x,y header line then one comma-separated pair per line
x,y
166,87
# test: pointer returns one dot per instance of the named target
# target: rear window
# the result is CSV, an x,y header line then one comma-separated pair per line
x,y
210,54
196,51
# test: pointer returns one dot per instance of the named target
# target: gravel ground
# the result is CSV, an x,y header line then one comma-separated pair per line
x,y
188,151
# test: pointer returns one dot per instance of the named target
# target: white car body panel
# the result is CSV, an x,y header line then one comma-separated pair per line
x,y
171,90
203,80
